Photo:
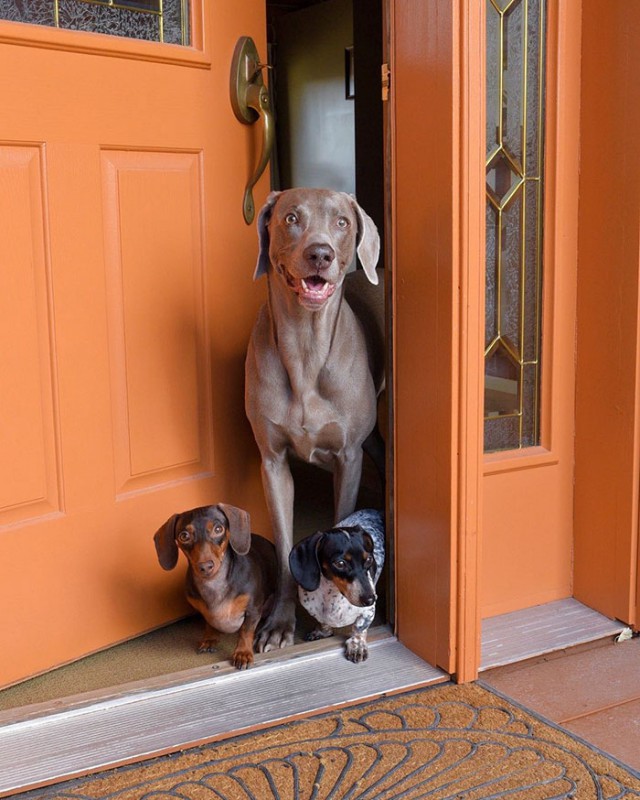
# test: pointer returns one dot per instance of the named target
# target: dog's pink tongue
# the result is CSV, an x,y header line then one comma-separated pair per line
x,y
315,288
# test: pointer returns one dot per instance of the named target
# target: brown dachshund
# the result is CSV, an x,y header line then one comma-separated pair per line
x,y
231,586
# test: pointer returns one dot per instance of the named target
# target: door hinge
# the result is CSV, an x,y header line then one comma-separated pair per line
x,y
386,81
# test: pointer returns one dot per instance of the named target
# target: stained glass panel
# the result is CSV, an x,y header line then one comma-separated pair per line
x,y
515,115
154,20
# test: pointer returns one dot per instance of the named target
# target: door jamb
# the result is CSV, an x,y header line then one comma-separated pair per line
x,y
437,318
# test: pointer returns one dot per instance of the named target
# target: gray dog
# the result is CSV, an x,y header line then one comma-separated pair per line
x,y
314,366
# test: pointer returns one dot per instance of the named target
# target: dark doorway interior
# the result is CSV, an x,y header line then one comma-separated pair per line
x,y
326,83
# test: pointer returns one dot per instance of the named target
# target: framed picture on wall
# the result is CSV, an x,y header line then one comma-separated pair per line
x,y
349,84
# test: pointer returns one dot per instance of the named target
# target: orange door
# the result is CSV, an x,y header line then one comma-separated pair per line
x,y
528,489
127,299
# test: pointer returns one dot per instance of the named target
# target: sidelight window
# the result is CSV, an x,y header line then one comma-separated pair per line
x,y
514,193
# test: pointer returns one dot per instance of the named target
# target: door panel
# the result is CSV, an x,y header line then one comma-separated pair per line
x,y
155,283
30,443
127,302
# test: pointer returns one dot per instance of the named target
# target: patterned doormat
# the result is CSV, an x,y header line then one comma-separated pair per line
x,y
443,743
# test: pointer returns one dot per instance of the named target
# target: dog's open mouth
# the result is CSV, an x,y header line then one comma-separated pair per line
x,y
313,290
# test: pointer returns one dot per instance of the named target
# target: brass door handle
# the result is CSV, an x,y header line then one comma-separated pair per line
x,y
250,102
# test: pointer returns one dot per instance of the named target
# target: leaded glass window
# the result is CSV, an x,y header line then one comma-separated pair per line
x,y
155,20
514,168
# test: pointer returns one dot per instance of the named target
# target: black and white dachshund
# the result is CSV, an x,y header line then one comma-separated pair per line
x,y
337,571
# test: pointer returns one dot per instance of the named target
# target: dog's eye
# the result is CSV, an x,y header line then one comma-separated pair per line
x,y
218,529
343,222
184,537
368,562
291,219
340,564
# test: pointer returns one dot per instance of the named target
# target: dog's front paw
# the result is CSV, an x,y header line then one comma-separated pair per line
x,y
277,630
356,649
319,633
242,659
207,645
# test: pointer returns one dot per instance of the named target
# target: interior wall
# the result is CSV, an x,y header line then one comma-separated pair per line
x,y
369,122
315,123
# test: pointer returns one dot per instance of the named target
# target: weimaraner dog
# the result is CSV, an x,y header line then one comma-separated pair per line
x,y
314,366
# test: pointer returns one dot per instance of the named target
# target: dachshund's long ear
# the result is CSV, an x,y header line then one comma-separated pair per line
x,y
369,547
264,217
304,564
165,542
367,538
368,242
239,523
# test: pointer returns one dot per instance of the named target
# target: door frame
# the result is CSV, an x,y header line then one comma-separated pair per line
x,y
437,319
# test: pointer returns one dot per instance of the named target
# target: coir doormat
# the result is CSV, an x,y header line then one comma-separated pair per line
x,y
443,743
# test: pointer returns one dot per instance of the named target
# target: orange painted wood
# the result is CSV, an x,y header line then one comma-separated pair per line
x,y
438,226
527,538
426,315
423,305
607,425
471,199
127,300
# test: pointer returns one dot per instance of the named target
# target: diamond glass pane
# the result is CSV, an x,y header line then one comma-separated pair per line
x,y
154,20
502,178
515,58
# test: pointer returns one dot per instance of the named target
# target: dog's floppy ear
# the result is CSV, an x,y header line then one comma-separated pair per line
x,y
368,242
369,547
304,564
165,542
239,528
264,218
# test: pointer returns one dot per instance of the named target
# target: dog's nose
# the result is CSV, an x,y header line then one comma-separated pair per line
x,y
368,599
205,567
319,256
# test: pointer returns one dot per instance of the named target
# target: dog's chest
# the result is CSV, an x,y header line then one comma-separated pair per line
x,y
330,607
316,426
224,614
313,441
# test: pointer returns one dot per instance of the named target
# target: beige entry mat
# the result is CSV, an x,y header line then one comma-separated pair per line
x,y
445,742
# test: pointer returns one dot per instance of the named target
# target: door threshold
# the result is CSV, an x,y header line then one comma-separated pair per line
x,y
541,630
49,745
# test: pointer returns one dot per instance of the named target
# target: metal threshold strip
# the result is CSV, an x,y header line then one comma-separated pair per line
x,y
49,744
562,624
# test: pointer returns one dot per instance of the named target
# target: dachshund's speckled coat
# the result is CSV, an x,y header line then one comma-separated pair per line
x,y
336,601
